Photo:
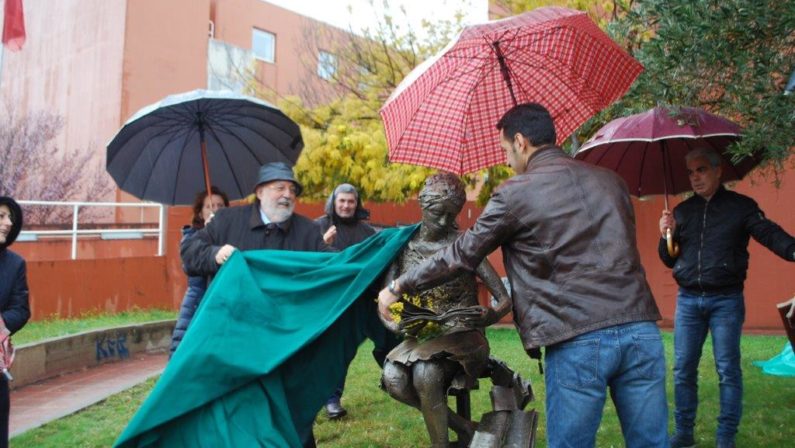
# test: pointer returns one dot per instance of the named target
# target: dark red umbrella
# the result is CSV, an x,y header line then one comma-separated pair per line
x,y
648,149
443,115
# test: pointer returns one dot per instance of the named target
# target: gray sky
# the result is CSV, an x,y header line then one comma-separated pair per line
x,y
336,12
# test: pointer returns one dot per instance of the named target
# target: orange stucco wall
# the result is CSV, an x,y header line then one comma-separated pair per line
x,y
294,69
70,288
87,249
165,52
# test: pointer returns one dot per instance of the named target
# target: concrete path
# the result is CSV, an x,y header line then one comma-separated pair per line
x,y
37,404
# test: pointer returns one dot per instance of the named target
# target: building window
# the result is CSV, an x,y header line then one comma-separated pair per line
x,y
326,65
263,45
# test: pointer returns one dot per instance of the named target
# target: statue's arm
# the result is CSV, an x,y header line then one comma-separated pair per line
x,y
495,286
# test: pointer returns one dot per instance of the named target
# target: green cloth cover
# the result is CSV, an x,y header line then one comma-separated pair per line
x,y
266,347
782,364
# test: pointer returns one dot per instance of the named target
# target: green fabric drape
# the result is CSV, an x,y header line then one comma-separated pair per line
x,y
266,347
782,364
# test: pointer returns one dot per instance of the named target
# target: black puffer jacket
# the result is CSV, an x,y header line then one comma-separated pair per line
x,y
197,285
713,241
14,305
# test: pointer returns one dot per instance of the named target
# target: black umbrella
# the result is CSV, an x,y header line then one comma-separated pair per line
x,y
166,152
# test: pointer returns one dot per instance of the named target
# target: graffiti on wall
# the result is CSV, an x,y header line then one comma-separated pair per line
x,y
111,347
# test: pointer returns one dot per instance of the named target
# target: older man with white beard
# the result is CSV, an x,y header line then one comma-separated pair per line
x,y
269,223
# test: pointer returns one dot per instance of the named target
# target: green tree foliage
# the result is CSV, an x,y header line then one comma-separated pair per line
x,y
345,142
730,57
344,135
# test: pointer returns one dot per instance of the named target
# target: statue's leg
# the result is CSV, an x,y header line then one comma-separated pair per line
x,y
464,428
396,380
430,381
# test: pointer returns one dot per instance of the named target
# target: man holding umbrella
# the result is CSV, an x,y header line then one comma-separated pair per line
x,y
712,228
269,223
567,233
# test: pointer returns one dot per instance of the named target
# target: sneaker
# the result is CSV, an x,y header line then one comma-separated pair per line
x,y
681,440
334,410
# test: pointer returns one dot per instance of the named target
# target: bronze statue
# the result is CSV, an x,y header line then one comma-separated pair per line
x,y
419,372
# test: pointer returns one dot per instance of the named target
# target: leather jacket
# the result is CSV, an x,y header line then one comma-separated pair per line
x,y
567,232
713,242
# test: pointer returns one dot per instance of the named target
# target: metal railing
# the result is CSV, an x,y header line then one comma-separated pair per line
x,y
126,233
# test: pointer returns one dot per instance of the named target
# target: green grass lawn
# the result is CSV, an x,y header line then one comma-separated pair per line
x,y
375,420
50,328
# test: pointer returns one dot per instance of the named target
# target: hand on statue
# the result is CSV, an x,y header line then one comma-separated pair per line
x,y
330,235
224,253
386,298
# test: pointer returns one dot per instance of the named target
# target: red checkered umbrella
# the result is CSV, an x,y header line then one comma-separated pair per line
x,y
443,115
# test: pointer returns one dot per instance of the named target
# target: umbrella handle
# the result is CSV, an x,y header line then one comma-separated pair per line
x,y
673,248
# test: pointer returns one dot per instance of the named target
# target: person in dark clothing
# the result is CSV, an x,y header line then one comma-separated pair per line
x,y
343,223
14,307
420,371
567,233
204,207
342,226
712,229
268,223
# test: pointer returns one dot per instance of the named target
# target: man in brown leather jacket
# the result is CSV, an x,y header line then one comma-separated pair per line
x,y
567,233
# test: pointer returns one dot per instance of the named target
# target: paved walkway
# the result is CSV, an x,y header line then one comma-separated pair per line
x,y
37,404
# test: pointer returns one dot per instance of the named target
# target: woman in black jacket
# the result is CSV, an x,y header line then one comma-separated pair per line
x,y
14,306
204,207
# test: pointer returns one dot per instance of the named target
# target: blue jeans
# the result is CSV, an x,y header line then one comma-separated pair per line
x,y
723,316
628,359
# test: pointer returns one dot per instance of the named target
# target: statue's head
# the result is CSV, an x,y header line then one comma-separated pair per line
x,y
441,200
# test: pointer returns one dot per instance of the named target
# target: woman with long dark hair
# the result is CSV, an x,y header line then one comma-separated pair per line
x,y
204,208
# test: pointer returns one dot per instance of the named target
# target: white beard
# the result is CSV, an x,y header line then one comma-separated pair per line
x,y
279,211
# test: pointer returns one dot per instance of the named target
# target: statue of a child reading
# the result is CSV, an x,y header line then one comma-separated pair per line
x,y
419,371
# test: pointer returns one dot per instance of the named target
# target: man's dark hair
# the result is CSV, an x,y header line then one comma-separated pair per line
x,y
532,120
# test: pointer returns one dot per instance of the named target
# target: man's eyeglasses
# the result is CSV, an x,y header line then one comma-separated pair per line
x,y
282,188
